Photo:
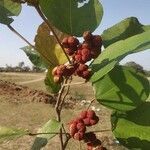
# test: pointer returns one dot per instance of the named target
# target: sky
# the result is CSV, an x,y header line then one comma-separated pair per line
x,y
28,22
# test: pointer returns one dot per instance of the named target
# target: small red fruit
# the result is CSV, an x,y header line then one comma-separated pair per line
x,y
57,79
87,121
86,74
97,41
72,41
65,42
78,136
83,114
87,35
91,114
54,71
69,51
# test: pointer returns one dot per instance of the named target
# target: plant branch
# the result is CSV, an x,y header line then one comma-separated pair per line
x,y
90,103
51,28
19,35
76,83
34,134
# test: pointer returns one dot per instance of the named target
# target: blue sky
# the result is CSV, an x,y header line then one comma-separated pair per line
x,y
28,22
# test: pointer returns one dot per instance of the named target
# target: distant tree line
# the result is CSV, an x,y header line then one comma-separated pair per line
x,y
21,67
138,68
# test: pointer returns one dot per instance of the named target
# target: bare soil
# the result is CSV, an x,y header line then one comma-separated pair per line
x,y
24,107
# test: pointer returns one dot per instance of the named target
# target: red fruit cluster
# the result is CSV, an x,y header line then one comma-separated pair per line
x,y
89,117
63,71
80,53
77,130
77,127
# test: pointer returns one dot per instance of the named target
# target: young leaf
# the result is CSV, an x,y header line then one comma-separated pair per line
x,y
8,9
122,89
49,82
71,18
34,57
132,129
47,46
123,30
50,127
114,53
11,133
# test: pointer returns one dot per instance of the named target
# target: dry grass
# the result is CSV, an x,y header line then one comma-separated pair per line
x,y
33,115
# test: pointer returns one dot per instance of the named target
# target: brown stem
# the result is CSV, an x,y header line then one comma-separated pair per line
x,y
19,35
51,28
34,134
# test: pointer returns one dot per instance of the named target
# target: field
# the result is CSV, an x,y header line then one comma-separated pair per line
x,y
23,107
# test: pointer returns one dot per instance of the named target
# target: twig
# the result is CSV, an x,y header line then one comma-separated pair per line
x,y
58,112
19,35
51,28
76,83
91,103
67,91
34,134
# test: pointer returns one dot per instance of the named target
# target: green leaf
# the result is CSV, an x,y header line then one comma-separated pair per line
x,y
122,89
123,30
34,57
8,9
114,53
50,127
51,86
132,129
11,133
71,18
48,48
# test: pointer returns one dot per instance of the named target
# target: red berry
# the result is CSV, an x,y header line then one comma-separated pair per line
x,y
57,79
85,51
87,35
90,146
87,121
72,41
60,70
97,41
69,51
73,129
78,58
94,120
83,114
91,114
89,137
86,74
65,42
54,71
86,45
95,53
82,67
81,127
78,136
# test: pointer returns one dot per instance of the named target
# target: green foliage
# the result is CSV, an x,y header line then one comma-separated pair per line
x,y
51,86
114,53
8,9
122,89
123,30
50,127
11,133
132,128
69,18
34,57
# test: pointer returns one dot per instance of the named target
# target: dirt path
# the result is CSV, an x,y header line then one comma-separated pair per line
x,y
31,81
20,74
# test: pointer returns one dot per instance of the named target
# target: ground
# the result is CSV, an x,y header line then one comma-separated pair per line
x,y
23,105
